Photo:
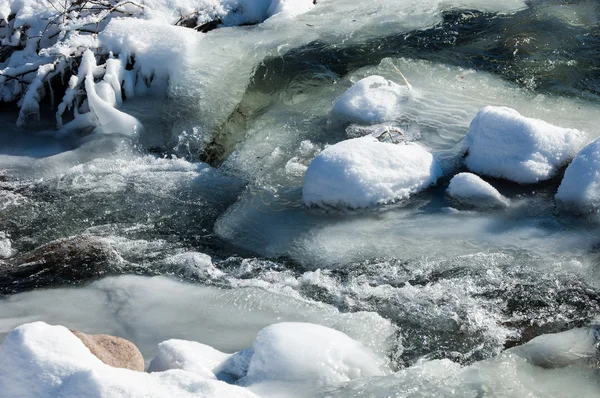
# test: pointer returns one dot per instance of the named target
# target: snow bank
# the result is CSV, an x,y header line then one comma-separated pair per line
x,y
469,189
39,360
362,172
373,99
502,143
580,187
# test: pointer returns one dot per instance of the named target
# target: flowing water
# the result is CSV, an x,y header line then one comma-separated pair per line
x,y
441,292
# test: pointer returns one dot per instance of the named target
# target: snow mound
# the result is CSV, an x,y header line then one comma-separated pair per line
x,y
307,352
362,172
471,190
39,360
580,187
371,100
187,355
502,143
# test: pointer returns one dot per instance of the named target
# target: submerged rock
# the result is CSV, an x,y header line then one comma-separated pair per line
x,y
114,351
469,189
501,143
363,172
580,187
61,261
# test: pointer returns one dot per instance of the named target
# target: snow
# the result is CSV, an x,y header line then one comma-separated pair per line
x,y
470,189
39,360
188,355
109,119
502,143
363,172
310,353
580,187
371,100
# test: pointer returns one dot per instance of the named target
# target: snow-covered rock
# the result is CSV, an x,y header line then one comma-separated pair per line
x,y
469,189
580,187
42,361
363,172
502,143
312,353
187,355
373,99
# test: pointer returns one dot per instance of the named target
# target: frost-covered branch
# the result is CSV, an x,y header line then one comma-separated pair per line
x,y
45,41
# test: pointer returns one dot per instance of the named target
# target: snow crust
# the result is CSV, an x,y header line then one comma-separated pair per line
x,y
502,143
371,100
363,172
470,189
580,187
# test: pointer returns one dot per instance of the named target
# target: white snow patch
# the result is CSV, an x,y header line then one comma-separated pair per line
x,y
362,172
43,361
373,99
502,143
312,353
580,187
470,189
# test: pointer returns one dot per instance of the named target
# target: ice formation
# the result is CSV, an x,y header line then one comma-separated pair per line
x,y
501,143
373,99
363,172
580,187
470,189
572,347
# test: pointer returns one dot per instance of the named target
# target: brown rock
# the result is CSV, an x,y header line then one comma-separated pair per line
x,y
113,351
66,260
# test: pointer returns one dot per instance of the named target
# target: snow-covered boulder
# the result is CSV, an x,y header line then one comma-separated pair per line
x,y
371,100
312,353
42,361
502,143
469,189
363,172
580,187
187,355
